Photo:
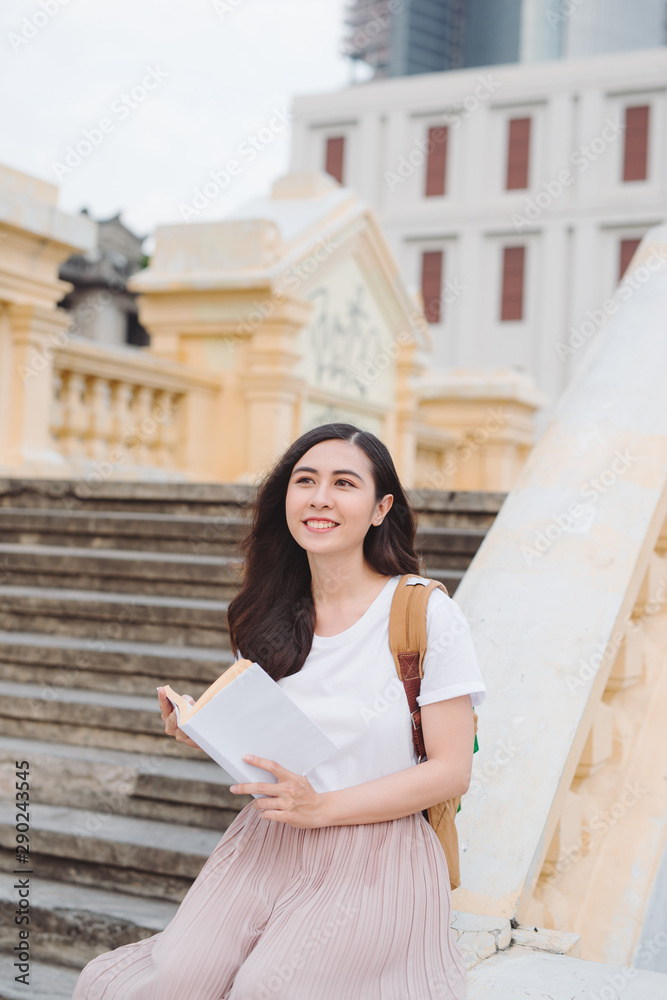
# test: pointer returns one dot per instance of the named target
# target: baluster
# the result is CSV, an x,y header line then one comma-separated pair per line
x,y
99,429
57,424
122,437
145,424
166,416
75,415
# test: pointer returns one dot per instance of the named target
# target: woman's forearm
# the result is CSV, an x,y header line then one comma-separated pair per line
x,y
394,795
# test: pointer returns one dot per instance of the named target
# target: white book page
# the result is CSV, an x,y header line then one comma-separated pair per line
x,y
252,714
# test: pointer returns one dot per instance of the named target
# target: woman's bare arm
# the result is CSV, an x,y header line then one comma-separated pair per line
x,y
448,729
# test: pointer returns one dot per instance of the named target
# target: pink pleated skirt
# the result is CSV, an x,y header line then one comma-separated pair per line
x,y
357,912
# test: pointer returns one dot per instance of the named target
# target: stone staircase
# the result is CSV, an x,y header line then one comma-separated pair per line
x,y
106,591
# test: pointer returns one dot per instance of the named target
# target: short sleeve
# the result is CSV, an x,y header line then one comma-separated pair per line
x,y
451,668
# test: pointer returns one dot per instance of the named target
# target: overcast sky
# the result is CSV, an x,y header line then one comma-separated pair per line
x,y
210,75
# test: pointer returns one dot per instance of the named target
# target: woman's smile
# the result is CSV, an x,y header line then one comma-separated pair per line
x,y
320,524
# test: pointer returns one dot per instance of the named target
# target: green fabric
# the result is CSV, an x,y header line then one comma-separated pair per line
x,y
476,748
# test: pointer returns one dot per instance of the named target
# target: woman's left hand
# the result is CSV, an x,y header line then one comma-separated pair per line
x,y
292,799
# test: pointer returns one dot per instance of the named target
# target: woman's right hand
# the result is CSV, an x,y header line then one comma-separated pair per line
x,y
168,713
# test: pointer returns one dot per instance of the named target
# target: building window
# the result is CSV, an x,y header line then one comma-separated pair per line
x,y
432,285
334,157
627,250
635,157
518,153
514,260
436,162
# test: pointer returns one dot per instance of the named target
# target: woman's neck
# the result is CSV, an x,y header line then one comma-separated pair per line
x,y
342,581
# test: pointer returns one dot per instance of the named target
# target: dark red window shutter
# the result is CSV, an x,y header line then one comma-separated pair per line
x,y
436,162
514,260
334,157
635,158
432,284
518,153
628,248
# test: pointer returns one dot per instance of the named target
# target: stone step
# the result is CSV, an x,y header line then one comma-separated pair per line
x,y
187,792
140,857
159,573
104,615
88,718
53,662
106,529
454,507
453,548
186,534
204,499
47,981
519,972
72,924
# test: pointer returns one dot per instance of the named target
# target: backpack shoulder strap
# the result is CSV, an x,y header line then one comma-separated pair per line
x,y
407,640
407,619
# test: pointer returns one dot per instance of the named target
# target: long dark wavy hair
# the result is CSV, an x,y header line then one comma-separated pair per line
x,y
272,618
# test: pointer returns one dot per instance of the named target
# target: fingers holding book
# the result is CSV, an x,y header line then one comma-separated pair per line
x,y
290,799
168,713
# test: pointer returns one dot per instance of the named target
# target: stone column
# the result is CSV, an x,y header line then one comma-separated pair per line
x,y
272,389
34,334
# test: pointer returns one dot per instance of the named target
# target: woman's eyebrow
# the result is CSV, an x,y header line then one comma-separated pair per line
x,y
336,472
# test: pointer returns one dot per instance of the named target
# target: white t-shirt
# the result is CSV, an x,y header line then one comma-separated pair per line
x,y
348,685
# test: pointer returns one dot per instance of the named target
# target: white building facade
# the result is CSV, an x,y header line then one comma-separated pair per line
x,y
513,196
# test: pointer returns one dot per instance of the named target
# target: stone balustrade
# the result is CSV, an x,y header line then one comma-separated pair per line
x,y
563,826
124,412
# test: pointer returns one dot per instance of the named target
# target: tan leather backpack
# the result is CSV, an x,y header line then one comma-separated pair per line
x,y
407,640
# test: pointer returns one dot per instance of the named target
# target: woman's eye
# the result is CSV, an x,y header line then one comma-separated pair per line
x,y
307,479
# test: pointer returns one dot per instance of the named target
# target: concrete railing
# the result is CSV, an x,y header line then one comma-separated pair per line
x,y
129,413
564,822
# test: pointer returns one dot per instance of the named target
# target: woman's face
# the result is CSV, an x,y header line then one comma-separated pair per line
x,y
330,501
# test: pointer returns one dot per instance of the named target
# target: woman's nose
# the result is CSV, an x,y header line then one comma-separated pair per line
x,y
321,497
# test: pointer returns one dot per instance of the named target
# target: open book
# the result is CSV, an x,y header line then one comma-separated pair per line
x,y
246,711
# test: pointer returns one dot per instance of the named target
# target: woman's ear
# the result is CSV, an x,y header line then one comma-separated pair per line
x,y
382,509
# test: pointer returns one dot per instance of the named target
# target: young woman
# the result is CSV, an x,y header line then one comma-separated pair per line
x,y
332,885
